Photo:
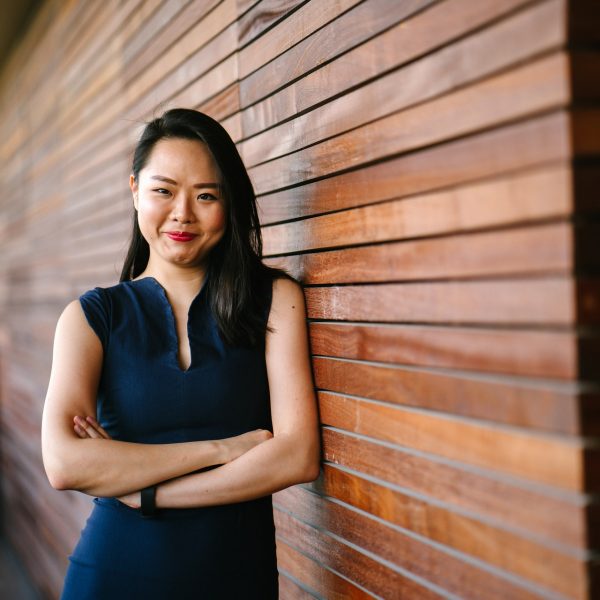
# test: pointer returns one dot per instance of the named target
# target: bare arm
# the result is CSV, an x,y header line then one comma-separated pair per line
x,y
108,467
292,455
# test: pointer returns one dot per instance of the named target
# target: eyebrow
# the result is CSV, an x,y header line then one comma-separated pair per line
x,y
196,185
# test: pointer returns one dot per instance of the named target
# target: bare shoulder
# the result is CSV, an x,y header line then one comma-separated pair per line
x,y
74,334
288,302
73,318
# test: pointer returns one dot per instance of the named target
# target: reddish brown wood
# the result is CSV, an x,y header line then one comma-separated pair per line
x,y
526,250
452,67
407,552
374,576
420,35
549,408
483,540
255,17
483,494
522,92
544,301
325,583
534,353
320,44
556,462
289,590
429,171
532,143
163,35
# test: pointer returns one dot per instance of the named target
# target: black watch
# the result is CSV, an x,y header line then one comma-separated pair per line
x,y
148,497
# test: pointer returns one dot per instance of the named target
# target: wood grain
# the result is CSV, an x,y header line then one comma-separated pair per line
x,y
541,301
529,509
515,351
532,143
545,408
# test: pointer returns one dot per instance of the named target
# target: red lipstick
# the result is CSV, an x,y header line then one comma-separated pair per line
x,y
180,236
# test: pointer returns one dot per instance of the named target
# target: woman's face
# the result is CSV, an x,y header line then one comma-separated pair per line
x,y
178,192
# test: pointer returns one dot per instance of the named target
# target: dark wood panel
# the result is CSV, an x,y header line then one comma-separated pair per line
x,y
586,132
588,300
545,407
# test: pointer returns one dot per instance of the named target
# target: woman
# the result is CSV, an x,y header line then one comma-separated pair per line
x,y
197,368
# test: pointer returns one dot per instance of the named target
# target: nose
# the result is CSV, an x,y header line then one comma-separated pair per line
x,y
182,211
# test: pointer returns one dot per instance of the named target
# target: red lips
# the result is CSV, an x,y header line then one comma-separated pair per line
x,y
181,236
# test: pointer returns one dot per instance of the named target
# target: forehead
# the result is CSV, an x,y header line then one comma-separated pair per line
x,y
176,157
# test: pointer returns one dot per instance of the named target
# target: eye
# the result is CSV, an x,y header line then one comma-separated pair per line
x,y
207,196
161,190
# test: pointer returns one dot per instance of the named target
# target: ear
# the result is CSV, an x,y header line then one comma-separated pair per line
x,y
134,190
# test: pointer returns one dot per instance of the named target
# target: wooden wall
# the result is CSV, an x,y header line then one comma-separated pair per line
x,y
428,169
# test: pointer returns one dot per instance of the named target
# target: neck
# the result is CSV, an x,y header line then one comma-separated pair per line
x,y
181,283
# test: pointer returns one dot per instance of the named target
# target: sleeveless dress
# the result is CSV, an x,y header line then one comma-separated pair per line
x,y
225,551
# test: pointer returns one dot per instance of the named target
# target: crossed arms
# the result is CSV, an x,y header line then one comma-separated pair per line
x,y
252,465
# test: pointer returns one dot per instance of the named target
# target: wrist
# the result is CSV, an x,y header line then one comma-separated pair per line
x,y
148,501
159,496
222,452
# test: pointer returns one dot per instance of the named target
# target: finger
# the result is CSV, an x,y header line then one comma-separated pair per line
x,y
90,431
80,432
98,427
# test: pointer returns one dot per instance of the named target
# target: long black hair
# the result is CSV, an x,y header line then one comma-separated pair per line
x,y
237,277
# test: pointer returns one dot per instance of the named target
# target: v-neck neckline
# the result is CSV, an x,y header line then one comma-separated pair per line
x,y
173,326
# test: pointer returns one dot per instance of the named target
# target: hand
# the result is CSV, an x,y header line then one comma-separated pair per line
x,y
133,500
88,427
237,445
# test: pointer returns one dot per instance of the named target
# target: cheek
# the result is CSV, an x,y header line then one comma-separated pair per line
x,y
148,216
219,219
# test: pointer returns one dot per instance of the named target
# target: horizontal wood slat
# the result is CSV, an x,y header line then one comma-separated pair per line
x,y
413,554
553,409
519,352
452,528
323,582
521,92
512,502
542,301
495,253
550,460
373,575
532,143
420,35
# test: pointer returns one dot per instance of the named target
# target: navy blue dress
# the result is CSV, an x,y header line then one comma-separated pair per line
x,y
144,396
